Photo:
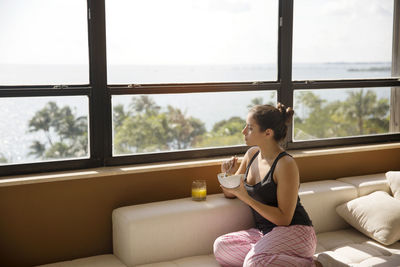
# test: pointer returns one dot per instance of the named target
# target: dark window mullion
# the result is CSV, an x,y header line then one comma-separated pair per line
x,y
345,141
100,101
394,125
45,91
285,43
192,88
328,84
176,155
47,166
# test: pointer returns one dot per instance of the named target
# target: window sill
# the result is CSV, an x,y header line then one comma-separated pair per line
x,y
143,168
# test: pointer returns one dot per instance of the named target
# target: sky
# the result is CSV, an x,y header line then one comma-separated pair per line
x,y
192,32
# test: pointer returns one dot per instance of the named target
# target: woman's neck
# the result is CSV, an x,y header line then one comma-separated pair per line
x,y
270,151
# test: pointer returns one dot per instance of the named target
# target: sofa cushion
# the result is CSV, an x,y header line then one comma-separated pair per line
x,y
320,200
106,260
351,248
366,184
394,183
377,215
175,229
196,261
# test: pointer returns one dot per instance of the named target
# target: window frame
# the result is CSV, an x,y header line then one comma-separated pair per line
x,y
100,93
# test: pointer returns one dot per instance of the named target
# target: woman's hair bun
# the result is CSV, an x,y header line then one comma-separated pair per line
x,y
287,113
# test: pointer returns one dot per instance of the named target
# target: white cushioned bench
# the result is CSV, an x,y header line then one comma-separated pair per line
x,y
181,232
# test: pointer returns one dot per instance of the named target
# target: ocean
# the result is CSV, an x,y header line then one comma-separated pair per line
x,y
15,137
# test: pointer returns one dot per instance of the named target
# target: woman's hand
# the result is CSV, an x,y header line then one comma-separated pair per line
x,y
239,192
230,166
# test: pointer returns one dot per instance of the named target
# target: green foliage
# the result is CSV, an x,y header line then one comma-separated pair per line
x,y
210,140
365,113
317,124
143,126
229,127
224,133
146,128
255,101
361,113
260,101
182,130
141,133
66,134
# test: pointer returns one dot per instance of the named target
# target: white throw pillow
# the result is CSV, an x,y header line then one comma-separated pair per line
x,y
376,215
394,182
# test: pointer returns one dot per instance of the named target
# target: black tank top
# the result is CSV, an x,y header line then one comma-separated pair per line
x,y
266,193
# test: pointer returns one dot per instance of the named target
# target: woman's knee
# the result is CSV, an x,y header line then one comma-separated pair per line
x,y
257,260
251,260
219,244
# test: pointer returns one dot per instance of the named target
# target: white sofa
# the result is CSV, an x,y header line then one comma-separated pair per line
x,y
181,232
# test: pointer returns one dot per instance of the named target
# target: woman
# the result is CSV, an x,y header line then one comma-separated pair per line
x,y
284,235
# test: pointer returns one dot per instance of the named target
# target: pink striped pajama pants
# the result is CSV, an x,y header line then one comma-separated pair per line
x,y
284,246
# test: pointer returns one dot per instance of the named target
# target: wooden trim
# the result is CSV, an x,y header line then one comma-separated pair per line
x,y
175,165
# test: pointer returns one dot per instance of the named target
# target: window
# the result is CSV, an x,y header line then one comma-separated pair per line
x,y
44,74
43,129
43,42
189,41
336,113
342,39
342,67
184,42
98,83
168,122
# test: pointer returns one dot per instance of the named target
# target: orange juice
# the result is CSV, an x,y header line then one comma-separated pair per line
x,y
199,190
199,193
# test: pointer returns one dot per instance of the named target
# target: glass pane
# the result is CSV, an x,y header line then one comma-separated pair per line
x,y
342,39
185,41
335,113
155,123
35,129
43,42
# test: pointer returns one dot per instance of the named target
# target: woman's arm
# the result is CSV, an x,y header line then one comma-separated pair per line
x,y
239,170
287,177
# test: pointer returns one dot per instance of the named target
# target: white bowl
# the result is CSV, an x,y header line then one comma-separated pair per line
x,y
230,181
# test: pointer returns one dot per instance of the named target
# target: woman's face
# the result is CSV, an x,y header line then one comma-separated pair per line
x,y
252,133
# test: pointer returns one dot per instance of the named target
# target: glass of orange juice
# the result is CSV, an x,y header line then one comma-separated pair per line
x,y
199,190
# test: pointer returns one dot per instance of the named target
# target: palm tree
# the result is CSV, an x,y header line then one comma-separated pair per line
x,y
66,134
364,110
144,104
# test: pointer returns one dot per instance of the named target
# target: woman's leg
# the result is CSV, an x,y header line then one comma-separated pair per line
x,y
231,249
284,246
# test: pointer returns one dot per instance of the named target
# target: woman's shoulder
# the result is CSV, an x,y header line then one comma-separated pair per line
x,y
285,165
251,152
249,155
286,159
